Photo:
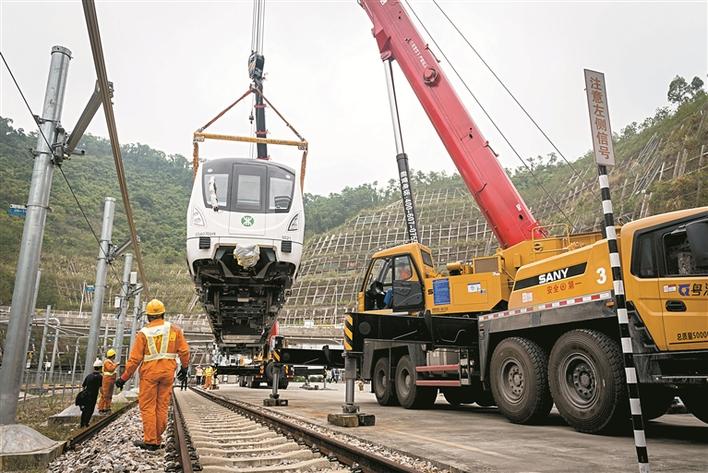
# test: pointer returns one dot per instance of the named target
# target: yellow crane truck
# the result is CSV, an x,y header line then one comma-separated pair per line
x,y
533,324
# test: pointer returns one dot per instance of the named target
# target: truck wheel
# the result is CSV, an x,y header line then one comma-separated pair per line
x,y
587,381
283,382
695,400
269,372
383,385
409,395
656,400
242,381
519,380
253,383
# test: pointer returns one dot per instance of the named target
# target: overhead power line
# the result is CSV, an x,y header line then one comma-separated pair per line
x,y
102,76
489,117
464,38
44,137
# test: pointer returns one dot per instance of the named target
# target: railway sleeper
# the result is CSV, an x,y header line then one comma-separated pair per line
x,y
264,460
245,444
239,452
318,464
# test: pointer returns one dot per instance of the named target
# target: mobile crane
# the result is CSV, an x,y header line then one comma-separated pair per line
x,y
533,324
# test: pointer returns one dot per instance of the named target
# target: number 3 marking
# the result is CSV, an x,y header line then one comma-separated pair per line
x,y
601,275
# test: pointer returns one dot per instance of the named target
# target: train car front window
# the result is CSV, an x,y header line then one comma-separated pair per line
x,y
216,189
248,191
280,190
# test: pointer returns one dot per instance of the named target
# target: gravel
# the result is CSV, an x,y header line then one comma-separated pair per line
x,y
112,451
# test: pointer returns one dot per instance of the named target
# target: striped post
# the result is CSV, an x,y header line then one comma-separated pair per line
x,y
635,406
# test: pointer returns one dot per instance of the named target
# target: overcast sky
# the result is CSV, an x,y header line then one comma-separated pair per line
x,y
176,64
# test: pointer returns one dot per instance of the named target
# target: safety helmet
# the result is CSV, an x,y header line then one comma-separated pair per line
x,y
97,363
155,307
111,352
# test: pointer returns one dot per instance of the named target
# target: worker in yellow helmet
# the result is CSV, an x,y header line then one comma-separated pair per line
x,y
109,379
156,349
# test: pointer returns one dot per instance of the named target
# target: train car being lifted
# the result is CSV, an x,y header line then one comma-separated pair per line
x,y
244,242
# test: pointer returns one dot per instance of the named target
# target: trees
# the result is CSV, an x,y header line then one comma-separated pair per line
x,y
681,91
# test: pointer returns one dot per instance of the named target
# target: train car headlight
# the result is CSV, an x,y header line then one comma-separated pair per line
x,y
197,218
293,225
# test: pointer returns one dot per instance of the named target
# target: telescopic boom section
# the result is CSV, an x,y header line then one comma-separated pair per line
x,y
498,199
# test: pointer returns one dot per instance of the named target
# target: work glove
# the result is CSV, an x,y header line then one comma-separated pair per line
x,y
182,373
120,383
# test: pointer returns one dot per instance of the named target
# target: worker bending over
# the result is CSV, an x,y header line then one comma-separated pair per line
x,y
156,349
109,379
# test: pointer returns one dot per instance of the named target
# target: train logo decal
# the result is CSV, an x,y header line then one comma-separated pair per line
x,y
247,221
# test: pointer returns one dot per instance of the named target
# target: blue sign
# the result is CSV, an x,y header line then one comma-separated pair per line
x,y
90,288
441,291
17,211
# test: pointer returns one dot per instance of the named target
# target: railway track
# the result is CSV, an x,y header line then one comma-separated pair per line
x,y
233,436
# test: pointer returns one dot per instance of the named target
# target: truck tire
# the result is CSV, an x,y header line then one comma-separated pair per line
x,y
519,380
382,384
587,381
253,383
695,400
656,400
283,382
409,395
242,381
269,372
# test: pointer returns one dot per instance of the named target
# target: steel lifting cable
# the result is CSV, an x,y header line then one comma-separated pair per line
x,y
538,127
61,170
489,117
99,61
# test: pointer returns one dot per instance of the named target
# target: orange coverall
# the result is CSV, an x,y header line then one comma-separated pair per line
x,y
107,384
158,361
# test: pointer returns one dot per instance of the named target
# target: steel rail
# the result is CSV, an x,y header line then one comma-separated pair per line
x,y
102,76
185,460
366,461
93,429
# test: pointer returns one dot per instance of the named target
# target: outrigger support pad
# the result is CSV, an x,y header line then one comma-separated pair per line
x,y
274,398
350,415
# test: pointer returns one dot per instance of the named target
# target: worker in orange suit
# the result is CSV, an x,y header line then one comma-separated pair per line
x,y
107,383
156,349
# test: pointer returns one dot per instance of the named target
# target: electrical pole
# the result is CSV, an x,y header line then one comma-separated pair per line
x,y
109,209
124,303
134,326
54,351
33,233
29,328
40,362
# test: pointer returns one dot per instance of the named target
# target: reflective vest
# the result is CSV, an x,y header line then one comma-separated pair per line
x,y
208,372
159,334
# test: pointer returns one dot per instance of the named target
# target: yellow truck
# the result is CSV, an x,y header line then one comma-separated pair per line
x,y
534,325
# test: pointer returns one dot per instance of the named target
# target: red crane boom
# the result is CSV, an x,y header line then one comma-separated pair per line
x,y
496,196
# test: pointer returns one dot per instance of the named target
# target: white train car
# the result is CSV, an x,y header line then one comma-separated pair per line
x,y
245,229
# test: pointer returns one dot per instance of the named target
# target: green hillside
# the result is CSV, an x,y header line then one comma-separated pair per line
x,y
663,165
